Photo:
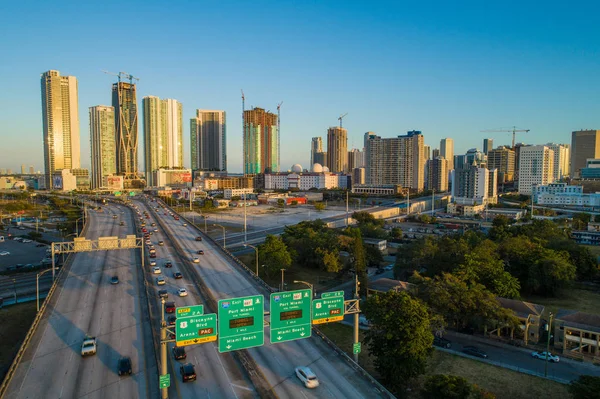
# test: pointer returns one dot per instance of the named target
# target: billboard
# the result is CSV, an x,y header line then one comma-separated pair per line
x,y
57,182
114,182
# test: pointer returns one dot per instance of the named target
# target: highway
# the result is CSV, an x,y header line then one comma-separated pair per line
x,y
277,362
23,284
87,303
218,376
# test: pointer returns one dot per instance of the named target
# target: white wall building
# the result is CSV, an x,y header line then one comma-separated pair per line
x,y
318,178
536,167
563,194
562,157
229,193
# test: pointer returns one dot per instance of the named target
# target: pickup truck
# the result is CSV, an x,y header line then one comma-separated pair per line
x,y
88,347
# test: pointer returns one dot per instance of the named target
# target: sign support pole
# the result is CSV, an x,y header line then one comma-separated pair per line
x,y
356,316
163,348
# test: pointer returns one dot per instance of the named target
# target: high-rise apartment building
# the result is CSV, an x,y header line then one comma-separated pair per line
x,y
163,135
124,101
397,160
562,157
316,145
261,142
585,144
337,149
536,167
31,170
517,149
60,119
208,131
471,183
356,159
488,145
358,176
427,152
321,158
23,169
102,143
437,174
435,153
502,159
447,151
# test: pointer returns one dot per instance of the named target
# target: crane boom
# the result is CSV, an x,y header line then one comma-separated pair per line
x,y
341,117
514,131
122,75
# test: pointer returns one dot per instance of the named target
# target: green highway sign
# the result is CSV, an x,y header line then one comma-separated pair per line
x,y
132,193
290,315
326,310
189,311
332,294
117,193
356,348
164,380
241,323
196,329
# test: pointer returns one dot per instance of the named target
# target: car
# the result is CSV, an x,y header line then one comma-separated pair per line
x,y
144,230
182,292
188,373
40,245
198,238
200,252
148,242
4,253
196,260
474,351
161,281
185,225
179,353
122,224
441,342
163,294
542,355
153,254
168,264
114,280
155,230
156,270
171,320
152,263
177,275
161,243
307,377
21,228
170,307
124,367
26,241
88,346
153,224
389,267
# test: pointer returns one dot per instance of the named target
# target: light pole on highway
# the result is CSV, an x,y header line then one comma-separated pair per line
x,y
312,291
15,289
205,228
77,226
37,287
224,245
256,251
282,272
163,348
549,330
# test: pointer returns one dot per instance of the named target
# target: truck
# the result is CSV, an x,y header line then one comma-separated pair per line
x,y
88,347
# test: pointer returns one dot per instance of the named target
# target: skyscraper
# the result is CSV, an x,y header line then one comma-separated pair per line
x,y
102,144
488,144
60,119
31,170
208,132
316,145
337,149
561,160
23,169
163,135
356,159
124,101
502,159
536,167
584,144
427,153
435,153
437,178
397,160
261,142
447,151
472,183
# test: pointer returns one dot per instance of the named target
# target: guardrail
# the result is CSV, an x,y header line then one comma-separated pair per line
x,y
378,386
38,317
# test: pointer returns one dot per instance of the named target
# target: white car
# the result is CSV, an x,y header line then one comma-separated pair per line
x,y
542,355
88,347
152,262
196,260
156,270
27,240
182,292
160,281
185,225
4,253
308,378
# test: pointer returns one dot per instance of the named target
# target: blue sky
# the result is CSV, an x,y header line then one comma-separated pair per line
x,y
449,69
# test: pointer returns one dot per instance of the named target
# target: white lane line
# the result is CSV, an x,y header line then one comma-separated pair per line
x,y
242,387
225,372
303,394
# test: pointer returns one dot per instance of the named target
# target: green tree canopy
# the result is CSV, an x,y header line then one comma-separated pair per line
x,y
442,386
585,387
273,253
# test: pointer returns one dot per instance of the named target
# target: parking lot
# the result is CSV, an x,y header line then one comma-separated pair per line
x,y
20,253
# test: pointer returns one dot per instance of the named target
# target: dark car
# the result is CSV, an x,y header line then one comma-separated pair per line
x,y
168,264
198,238
172,320
114,280
200,252
188,373
125,366
177,275
40,245
170,307
179,353
163,294
441,342
474,351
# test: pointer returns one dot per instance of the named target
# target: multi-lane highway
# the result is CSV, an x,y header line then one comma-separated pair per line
x,y
276,361
218,376
87,303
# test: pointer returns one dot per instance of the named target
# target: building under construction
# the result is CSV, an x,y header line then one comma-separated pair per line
x,y
261,142
124,101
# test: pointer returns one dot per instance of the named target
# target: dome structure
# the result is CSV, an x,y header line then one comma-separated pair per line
x,y
317,168
325,169
297,168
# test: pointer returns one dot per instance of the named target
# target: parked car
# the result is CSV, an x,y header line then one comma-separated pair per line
x,y
307,377
188,373
474,351
124,366
441,342
542,355
114,280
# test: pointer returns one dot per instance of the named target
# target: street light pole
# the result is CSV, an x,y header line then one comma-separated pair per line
x,y
256,252
356,316
15,289
282,271
37,287
312,292
549,329
224,244
163,348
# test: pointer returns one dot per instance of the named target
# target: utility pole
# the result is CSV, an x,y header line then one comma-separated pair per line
x,y
245,219
356,315
347,221
408,202
282,271
549,329
163,348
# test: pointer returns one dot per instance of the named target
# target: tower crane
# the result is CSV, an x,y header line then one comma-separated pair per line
x,y
123,75
514,131
342,117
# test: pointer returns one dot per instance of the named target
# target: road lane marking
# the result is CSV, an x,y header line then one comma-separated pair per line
x,y
224,371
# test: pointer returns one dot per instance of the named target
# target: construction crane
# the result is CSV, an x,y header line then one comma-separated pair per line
x,y
514,131
123,75
340,119
279,134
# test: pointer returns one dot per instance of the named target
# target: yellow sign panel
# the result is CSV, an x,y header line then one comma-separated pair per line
x,y
196,341
328,320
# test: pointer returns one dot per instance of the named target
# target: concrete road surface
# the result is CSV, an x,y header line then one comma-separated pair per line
x,y
276,361
86,303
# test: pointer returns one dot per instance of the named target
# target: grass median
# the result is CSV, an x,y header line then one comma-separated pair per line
x,y
14,323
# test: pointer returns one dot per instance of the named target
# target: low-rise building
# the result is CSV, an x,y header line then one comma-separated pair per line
x,y
577,334
229,193
64,180
468,210
382,189
530,318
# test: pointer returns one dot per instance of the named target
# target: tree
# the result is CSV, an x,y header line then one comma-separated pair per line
x,y
331,260
585,387
396,233
280,202
320,206
400,336
274,254
359,257
442,386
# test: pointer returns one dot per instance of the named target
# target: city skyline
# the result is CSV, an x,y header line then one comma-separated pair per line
x,y
471,72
